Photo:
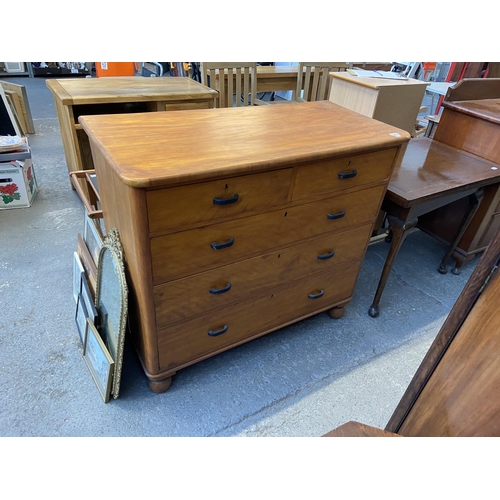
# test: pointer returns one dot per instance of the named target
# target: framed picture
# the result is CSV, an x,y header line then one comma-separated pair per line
x,y
88,263
89,302
98,359
78,269
81,316
92,238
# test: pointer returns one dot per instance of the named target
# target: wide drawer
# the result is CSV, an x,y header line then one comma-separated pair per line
x,y
329,176
210,201
182,299
205,335
190,252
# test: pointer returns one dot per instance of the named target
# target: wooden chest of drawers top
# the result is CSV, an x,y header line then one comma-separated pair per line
x,y
168,149
485,109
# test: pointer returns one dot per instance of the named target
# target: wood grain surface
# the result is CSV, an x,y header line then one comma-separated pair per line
x,y
187,146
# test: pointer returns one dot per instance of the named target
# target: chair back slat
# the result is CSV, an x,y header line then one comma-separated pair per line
x,y
239,74
238,86
246,79
313,79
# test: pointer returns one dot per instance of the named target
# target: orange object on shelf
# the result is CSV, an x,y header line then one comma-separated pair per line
x,y
115,69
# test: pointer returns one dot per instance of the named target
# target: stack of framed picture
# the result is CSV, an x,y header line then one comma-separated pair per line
x,y
101,295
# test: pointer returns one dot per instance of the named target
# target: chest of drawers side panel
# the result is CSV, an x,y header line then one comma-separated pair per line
x,y
125,208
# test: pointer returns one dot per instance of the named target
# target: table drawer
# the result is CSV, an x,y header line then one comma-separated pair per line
x,y
330,176
211,201
182,299
190,252
189,341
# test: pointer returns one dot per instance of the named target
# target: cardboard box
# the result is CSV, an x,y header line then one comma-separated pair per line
x,y
18,185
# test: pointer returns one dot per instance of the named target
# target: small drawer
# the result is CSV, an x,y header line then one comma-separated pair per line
x,y
216,200
185,253
329,176
190,341
182,299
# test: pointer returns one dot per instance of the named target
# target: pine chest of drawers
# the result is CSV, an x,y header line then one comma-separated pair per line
x,y
236,222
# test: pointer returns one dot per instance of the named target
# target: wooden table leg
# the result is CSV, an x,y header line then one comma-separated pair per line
x,y
399,231
474,202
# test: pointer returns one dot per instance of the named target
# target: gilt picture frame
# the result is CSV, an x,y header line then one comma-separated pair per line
x,y
112,302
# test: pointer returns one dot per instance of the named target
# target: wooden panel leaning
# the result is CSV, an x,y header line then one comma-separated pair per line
x,y
456,389
21,105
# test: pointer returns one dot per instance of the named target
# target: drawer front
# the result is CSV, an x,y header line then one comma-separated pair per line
x,y
216,200
330,176
182,299
189,341
185,253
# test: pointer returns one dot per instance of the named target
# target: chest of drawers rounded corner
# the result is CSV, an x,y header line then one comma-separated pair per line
x,y
220,256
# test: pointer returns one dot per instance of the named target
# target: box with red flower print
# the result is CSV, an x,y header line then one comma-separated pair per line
x,y
18,185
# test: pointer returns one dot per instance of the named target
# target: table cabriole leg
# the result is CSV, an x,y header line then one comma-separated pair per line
x,y
399,230
474,202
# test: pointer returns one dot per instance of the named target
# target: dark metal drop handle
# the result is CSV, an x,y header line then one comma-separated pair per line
x,y
226,201
218,291
220,246
336,216
348,175
326,256
215,333
316,295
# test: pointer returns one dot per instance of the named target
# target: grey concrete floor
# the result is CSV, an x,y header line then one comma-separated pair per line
x,y
302,380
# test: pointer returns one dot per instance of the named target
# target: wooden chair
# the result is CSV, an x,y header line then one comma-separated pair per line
x,y
235,81
456,389
313,81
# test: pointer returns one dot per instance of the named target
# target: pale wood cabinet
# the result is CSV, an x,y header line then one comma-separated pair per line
x,y
396,102
237,222
75,97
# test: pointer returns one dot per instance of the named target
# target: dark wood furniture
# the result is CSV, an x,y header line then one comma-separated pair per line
x,y
431,175
237,221
456,389
470,122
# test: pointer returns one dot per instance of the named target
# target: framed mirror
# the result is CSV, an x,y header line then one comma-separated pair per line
x,y
111,301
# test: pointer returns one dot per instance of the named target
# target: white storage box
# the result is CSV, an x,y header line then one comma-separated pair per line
x,y
18,185
14,67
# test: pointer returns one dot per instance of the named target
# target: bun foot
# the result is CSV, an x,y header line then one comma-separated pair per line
x,y
336,312
442,270
373,311
160,385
